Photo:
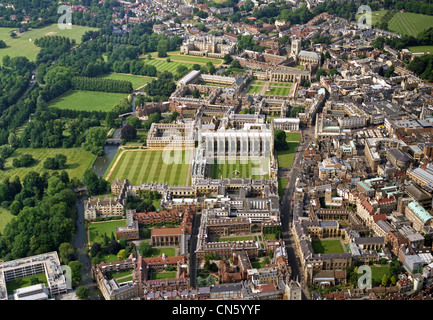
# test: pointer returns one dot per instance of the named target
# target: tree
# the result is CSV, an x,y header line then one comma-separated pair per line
x,y
128,133
15,207
82,293
385,280
2,44
144,249
393,280
227,58
12,139
95,140
66,252
76,271
162,48
122,254
280,142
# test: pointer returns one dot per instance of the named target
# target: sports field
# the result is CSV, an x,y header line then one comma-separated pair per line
x,y
285,157
78,160
251,169
408,23
137,81
87,100
23,45
327,246
145,166
177,57
97,229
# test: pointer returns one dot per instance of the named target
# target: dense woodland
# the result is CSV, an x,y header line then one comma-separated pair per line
x,y
104,85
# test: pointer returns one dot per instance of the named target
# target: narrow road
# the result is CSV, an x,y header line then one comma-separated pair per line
x,y
286,210
192,247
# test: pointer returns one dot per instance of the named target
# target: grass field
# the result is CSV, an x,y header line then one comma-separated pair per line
x,y
280,84
163,275
137,81
285,157
376,16
78,160
25,282
378,272
22,46
156,252
162,65
327,246
408,23
87,100
246,238
97,229
292,136
281,186
251,169
5,217
148,166
177,57
279,91
254,89
418,49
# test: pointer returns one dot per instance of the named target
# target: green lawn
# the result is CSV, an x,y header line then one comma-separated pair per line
x,y
162,65
5,217
97,229
254,89
285,157
327,246
376,16
257,83
177,57
418,49
156,252
119,274
164,275
78,160
278,91
281,186
137,81
280,84
13,285
87,100
146,166
408,23
378,272
293,136
270,236
246,238
22,46
252,169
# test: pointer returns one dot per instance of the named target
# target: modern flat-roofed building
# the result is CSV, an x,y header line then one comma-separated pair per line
x,y
47,263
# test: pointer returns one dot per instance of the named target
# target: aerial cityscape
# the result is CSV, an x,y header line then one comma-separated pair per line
x,y
216,150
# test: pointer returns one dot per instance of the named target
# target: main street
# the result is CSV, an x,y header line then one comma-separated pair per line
x,y
286,209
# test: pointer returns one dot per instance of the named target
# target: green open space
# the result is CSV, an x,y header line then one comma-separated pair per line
x,y
418,49
23,44
157,252
97,229
280,84
25,282
145,166
5,217
177,57
163,65
285,157
163,275
82,100
137,81
293,136
240,169
281,186
327,246
254,89
278,91
245,238
376,16
78,160
378,272
407,23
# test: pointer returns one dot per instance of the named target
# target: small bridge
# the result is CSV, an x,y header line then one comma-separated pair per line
x,y
113,141
125,114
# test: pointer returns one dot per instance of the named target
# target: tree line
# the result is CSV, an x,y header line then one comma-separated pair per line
x,y
104,85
